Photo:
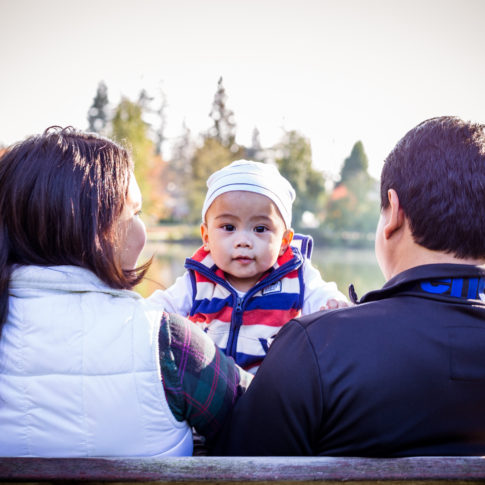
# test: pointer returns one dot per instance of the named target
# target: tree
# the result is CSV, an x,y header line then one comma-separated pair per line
x,y
354,164
145,101
98,112
129,128
162,123
155,118
295,163
178,175
208,158
255,151
353,205
224,126
218,149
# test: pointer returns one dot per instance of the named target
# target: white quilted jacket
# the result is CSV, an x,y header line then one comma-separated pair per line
x,y
79,371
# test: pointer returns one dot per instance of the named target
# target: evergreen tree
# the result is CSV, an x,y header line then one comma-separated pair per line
x,y
182,153
354,164
154,117
353,205
178,179
295,163
224,126
98,112
255,140
162,124
255,151
148,113
218,149
145,101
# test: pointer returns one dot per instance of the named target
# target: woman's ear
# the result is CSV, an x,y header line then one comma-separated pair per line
x,y
286,240
204,232
394,215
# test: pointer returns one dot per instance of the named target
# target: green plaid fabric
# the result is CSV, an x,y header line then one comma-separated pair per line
x,y
201,383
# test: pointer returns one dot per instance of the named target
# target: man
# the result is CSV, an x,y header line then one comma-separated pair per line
x,y
402,372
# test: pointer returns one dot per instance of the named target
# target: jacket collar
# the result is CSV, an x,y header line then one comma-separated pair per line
x,y
411,278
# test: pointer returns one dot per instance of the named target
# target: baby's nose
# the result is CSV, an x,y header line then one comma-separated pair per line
x,y
243,240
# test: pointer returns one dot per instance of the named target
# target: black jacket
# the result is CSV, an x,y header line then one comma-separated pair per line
x,y
402,373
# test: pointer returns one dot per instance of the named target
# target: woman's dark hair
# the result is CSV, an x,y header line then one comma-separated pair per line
x,y
61,194
438,172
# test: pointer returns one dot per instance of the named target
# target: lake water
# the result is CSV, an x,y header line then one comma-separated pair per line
x,y
344,266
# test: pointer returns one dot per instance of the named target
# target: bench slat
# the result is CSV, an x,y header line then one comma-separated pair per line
x,y
239,469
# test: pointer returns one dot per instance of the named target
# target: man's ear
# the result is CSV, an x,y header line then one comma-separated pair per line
x,y
394,215
286,240
204,232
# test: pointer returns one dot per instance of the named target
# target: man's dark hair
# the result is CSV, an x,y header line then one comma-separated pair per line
x,y
438,172
61,194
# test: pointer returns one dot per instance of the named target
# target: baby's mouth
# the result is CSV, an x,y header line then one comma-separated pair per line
x,y
243,259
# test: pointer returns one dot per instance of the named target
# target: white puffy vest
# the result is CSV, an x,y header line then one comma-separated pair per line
x,y
80,373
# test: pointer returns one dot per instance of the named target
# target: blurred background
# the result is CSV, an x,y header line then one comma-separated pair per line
x,y
323,89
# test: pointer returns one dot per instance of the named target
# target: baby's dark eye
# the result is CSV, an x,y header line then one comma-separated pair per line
x,y
228,227
260,229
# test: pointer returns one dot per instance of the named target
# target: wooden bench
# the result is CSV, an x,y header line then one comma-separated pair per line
x,y
218,470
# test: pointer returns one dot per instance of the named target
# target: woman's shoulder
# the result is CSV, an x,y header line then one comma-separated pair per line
x,y
63,278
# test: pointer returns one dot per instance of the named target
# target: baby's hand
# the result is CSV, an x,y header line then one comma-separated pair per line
x,y
333,304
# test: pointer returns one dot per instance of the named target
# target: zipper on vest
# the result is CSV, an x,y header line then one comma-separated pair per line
x,y
237,308
237,314
236,322
238,304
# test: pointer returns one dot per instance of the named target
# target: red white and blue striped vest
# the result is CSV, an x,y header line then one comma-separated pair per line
x,y
244,327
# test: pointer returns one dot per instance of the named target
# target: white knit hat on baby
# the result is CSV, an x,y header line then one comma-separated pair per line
x,y
249,176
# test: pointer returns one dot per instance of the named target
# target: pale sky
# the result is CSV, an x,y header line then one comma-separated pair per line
x,y
336,70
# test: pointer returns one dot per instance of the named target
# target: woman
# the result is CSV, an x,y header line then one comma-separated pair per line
x,y
82,357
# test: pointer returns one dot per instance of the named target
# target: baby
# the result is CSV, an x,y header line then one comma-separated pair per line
x,y
252,273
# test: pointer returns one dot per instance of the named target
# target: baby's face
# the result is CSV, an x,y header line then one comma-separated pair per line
x,y
245,234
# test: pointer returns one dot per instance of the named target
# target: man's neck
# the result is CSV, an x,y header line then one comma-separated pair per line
x,y
415,255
